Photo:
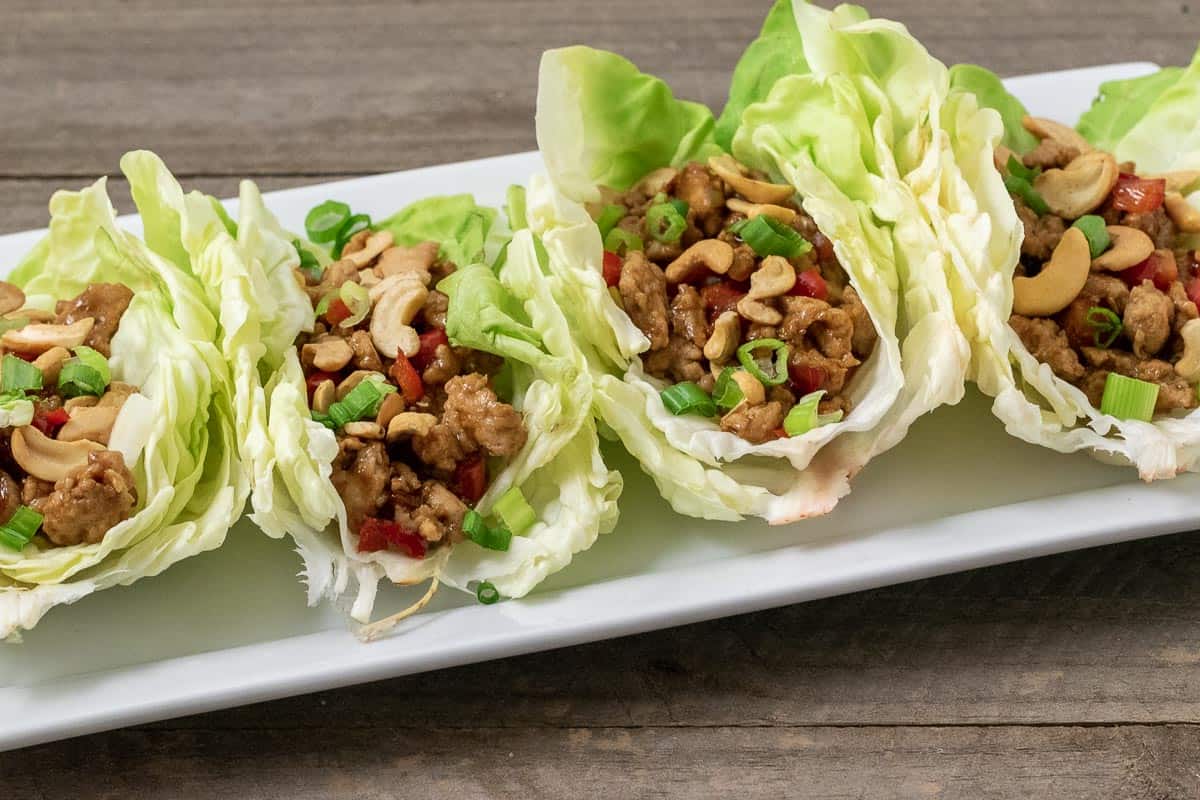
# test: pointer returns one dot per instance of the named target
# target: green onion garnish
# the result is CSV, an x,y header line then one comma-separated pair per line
x,y
1096,232
804,415
768,236
609,216
321,418
20,528
664,223
1128,398
490,537
727,394
1024,189
358,302
515,208
323,304
745,355
325,221
1105,324
621,241
486,593
688,398
356,223
18,375
361,402
309,265
1015,167
85,374
514,509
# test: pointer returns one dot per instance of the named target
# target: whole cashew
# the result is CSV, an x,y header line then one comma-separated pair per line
x,y
709,255
1130,247
1080,187
1059,282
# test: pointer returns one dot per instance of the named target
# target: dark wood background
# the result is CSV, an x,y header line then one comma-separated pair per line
x,y
1072,676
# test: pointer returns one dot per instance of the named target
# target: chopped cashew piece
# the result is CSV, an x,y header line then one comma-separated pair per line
x,y
416,261
1188,366
390,331
82,401
327,355
323,396
1049,129
376,244
363,430
354,379
117,394
32,315
392,405
39,337
1130,247
410,423
49,459
734,174
774,277
758,311
11,297
708,255
94,423
1080,187
1185,215
752,210
658,181
1059,282
50,363
723,343
753,392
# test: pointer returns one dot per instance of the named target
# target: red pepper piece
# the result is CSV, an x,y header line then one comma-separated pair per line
x,y
1138,195
315,379
1160,267
381,534
824,248
470,478
1193,290
337,311
48,422
809,283
805,379
721,297
407,378
430,340
612,268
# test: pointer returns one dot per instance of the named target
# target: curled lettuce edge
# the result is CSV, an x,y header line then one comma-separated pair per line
x,y
176,433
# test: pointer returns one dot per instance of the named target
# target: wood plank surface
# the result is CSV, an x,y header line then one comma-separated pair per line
x,y
1071,676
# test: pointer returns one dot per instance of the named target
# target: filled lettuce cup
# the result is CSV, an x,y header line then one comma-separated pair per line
x,y
427,416
117,451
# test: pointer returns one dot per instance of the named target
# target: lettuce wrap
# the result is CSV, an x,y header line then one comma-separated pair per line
x,y
120,431
1107,367
848,153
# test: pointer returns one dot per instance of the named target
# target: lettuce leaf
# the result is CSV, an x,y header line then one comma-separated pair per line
x,y
990,93
1123,104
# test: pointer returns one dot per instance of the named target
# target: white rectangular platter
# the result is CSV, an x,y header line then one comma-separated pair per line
x,y
231,627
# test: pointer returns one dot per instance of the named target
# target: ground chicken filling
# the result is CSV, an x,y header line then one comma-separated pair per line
x,y
1106,284
411,465
57,476
700,285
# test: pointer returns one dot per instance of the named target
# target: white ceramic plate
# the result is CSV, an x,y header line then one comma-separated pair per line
x,y
231,627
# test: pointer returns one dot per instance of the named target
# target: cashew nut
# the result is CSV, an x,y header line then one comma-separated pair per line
x,y
392,405
50,363
116,395
11,297
758,311
1049,129
723,343
32,315
657,181
774,277
734,174
363,430
1185,215
1081,186
1130,247
356,242
376,243
415,261
39,337
390,331
82,401
354,379
94,423
49,459
1188,366
1060,280
323,396
753,392
410,423
327,355
752,210
367,277
708,255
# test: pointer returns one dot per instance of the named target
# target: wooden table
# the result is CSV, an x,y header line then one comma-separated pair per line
x,y
1071,676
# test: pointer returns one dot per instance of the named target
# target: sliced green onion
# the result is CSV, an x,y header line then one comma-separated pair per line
x,y
688,398
746,356
621,241
608,218
1015,167
804,415
727,393
20,528
361,402
664,223
77,379
321,418
93,359
1024,190
487,536
18,375
514,509
1128,398
325,221
323,304
309,264
473,525
1094,229
357,300
514,207
1105,324
226,220
487,593
356,223
768,236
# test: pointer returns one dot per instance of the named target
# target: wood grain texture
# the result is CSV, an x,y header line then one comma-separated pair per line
x,y
1071,676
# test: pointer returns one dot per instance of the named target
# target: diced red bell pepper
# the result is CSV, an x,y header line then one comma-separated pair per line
x,y
780,433
315,379
430,340
721,297
809,283
337,311
824,248
612,268
26,356
377,534
470,478
1138,195
1160,267
48,422
805,379
407,378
